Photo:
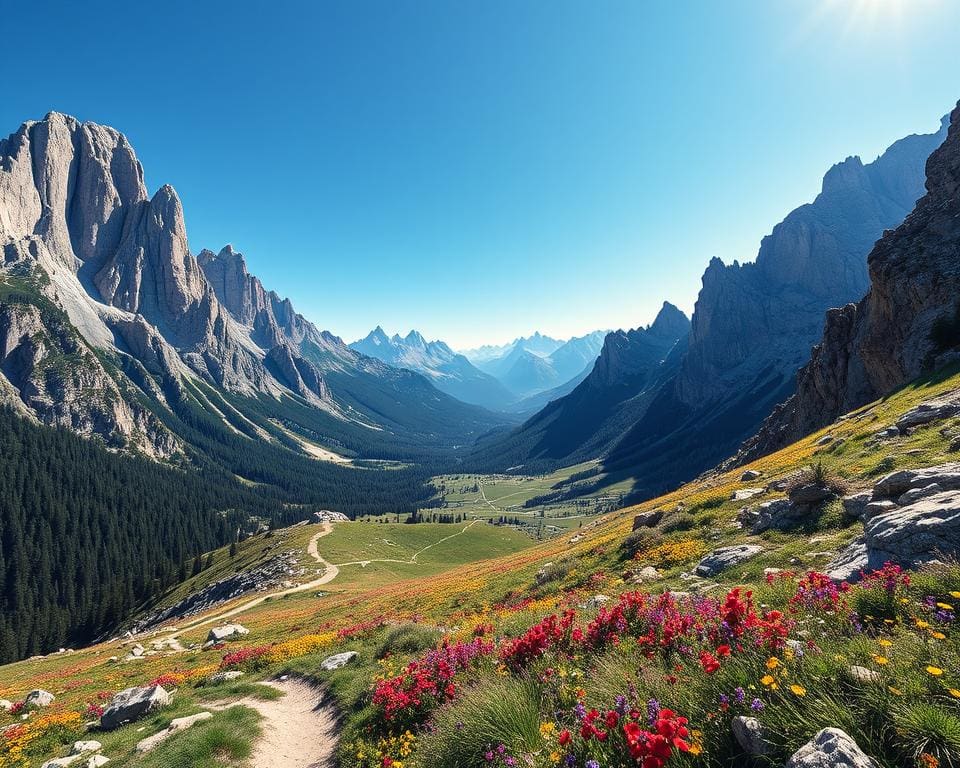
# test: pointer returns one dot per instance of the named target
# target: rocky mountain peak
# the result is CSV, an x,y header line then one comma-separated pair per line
x,y
670,322
906,324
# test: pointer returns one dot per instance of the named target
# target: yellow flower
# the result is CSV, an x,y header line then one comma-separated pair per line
x,y
769,681
880,659
938,636
799,690
554,757
546,729
954,692
945,606
955,594
921,624
773,662
884,642
935,671
696,743
788,654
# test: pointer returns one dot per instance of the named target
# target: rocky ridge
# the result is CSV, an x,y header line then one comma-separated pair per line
x,y
904,326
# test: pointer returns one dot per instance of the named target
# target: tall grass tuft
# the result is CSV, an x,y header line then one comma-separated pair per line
x,y
496,711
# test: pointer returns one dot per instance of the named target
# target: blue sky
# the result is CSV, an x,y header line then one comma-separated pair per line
x,y
480,170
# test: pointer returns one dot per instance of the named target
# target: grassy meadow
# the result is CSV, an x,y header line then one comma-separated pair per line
x,y
511,656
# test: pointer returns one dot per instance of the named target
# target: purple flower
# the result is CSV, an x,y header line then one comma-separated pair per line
x,y
756,705
739,695
724,699
488,756
653,710
593,764
570,760
580,711
621,705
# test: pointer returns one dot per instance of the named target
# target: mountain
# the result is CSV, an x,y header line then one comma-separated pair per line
x,y
752,327
109,326
535,364
585,422
576,354
446,370
537,343
906,325
754,324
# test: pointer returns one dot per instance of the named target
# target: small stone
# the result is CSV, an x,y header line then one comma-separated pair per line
x,y
596,601
338,660
79,747
5,705
745,494
177,724
749,475
864,675
647,519
226,632
225,677
721,559
749,735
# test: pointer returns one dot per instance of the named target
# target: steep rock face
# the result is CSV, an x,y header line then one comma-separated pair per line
x,y
625,355
757,322
58,379
272,320
889,337
754,324
631,368
71,183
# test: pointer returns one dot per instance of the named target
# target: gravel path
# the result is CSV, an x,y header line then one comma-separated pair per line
x,y
298,730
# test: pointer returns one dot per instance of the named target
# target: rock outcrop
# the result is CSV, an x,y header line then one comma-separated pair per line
x,y
912,517
905,325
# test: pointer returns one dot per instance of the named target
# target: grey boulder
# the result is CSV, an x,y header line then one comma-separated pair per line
x,y
725,557
38,698
830,748
133,703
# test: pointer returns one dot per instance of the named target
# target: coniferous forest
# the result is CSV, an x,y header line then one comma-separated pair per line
x,y
87,535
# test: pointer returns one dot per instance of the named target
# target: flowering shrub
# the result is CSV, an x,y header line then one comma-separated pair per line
x,y
818,592
299,646
406,699
551,631
169,680
387,752
247,659
36,737
623,735
671,553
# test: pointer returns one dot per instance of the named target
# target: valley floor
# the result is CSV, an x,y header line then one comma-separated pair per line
x,y
481,597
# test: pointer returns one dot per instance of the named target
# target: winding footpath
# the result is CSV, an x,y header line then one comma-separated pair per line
x,y
299,729
329,575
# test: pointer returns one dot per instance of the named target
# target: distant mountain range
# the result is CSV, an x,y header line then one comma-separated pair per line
x,y
535,364
662,418
447,371
519,377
